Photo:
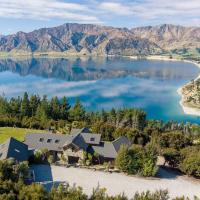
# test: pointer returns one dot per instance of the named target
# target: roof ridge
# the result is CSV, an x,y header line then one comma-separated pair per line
x,y
118,138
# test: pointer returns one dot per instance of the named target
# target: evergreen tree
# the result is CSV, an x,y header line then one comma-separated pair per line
x,y
34,102
14,106
122,159
45,104
55,108
25,107
64,110
77,113
4,106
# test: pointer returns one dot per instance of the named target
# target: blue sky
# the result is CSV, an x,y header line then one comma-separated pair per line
x,y
27,15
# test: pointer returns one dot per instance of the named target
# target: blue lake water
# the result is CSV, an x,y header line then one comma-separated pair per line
x,y
103,82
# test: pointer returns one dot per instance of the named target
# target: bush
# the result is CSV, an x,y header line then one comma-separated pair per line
x,y
158,195
51,159
190,161
136,160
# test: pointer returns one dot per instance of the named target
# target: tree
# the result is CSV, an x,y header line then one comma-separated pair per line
x,y
4,105
77,113
25,109
33,192
22,169
42,116
14,106
122,160
136,160
158,195
175,140
64,110
55,108
190,161
34,102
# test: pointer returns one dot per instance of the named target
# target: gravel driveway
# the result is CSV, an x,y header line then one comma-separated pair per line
x,y
116,183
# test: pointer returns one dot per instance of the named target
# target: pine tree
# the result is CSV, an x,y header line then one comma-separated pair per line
x,y
64,110
34,102
122,159
14,106
55,108
77,113
25,109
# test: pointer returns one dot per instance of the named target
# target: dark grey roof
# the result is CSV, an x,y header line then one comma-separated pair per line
x,y
119,141
110,149
50,141
80,142
91,138
80,130
105,149
13,148
54,142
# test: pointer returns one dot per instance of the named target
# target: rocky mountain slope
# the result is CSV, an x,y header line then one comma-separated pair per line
x,y
102,40
170,37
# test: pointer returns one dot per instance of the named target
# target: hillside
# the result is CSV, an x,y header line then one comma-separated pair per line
x,y
81,39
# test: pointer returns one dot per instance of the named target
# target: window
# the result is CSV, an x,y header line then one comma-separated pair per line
x,y
41,139
49,140
57,141
92,139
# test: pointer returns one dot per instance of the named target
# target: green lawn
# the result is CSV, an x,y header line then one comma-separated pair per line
x,y
18,133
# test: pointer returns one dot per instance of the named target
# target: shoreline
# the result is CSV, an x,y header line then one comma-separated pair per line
x,y
186,109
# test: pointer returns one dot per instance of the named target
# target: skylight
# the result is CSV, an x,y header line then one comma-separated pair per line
x,y
57,141
92,139
49,140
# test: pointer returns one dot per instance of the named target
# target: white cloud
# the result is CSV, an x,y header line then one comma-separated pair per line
x,y
116,8
46,9
108,12
161,11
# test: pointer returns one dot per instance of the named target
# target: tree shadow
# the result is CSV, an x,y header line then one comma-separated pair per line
x,y
43,175
168,173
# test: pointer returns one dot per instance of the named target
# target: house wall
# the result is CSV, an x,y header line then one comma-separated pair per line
x,y
70,152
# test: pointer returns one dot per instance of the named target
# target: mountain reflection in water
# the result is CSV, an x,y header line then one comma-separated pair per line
x,y
102,82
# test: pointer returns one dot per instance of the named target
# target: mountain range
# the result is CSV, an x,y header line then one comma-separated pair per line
x,y
84,39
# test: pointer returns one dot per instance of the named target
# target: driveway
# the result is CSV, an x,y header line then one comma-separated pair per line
x,y
116,183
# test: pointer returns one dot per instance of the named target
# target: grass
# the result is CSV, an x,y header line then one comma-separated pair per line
x,y
18,133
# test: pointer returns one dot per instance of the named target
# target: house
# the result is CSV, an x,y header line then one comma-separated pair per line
x,y
73,146
108,151
13,148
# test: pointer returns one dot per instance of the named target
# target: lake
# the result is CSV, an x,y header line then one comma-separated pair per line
x,y
103,82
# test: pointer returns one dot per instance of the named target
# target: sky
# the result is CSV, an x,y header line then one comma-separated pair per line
x,y
28,15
